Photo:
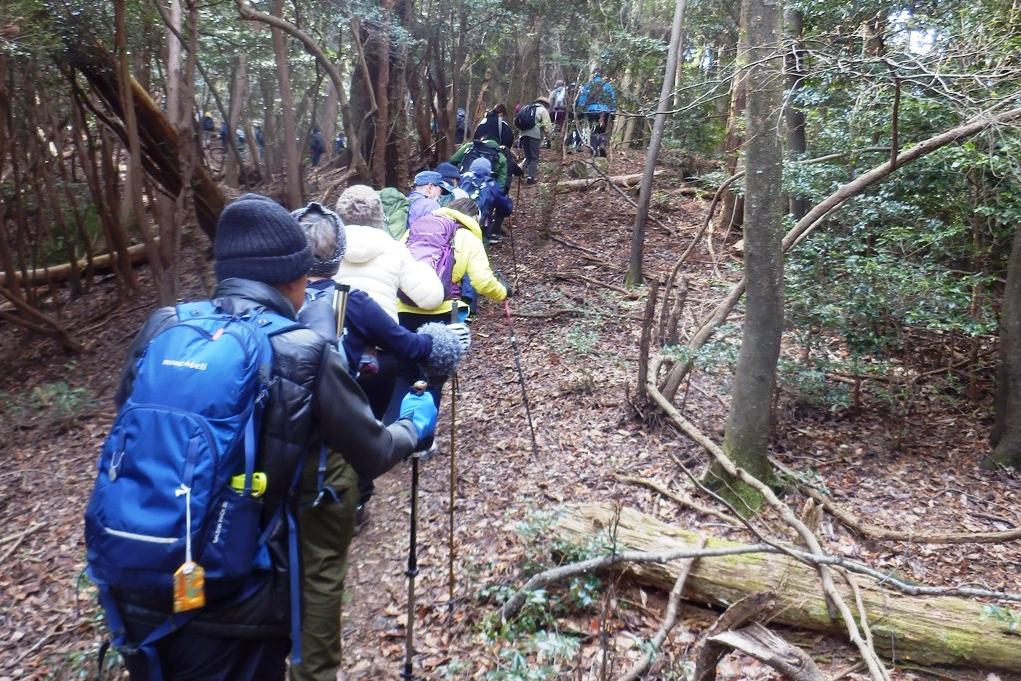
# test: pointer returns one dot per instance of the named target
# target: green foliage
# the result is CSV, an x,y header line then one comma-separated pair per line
x,y
64,405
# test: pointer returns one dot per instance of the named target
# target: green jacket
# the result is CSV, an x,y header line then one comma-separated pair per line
x,y
499,166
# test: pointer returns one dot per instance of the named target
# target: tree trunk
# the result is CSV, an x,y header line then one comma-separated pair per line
x,y
731,212
797,142
634,274
1006,433
931,630
176,111
238,100
291,151
746,440
158,138
382,89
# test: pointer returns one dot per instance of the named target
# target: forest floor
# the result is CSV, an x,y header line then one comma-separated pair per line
x,y
579,344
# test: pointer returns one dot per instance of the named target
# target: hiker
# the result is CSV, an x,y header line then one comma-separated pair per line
x,y
533,121
459,126
375,262
424,196
395,211
316,146
597,99
487,148
558,102
339,142
326,528
458,230
166,467
260,138
493,205
452,176
495,127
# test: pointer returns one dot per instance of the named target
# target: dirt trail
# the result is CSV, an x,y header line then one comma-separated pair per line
x,y
576,368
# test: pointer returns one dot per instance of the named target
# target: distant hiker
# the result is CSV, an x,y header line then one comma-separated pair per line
x,y
460,126
598,100
452,176
375,262
208,125
327,521
316,146
558,102
533,121
339,142
488,149
424,196
224,134
492,204
260,139
217,595
459,224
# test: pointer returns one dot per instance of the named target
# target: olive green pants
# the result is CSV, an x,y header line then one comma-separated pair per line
x,y
326,532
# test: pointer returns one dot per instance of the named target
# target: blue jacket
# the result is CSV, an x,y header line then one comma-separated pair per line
x,y
367,325
597,96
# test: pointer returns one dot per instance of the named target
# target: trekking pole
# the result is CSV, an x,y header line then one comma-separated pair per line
x,y
454,319
409,640
521,376
514,247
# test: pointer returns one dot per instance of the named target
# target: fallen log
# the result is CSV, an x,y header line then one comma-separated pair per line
x,y
59,273
930,630
619,180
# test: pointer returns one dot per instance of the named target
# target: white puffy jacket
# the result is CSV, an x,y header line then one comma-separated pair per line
x,y
377,264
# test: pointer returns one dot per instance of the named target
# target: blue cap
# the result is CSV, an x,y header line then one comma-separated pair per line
x,y
432,177
448,171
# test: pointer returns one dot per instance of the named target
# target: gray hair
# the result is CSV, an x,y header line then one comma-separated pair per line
x,y
326,238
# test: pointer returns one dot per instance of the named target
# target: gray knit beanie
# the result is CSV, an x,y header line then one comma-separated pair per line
x,y
326,237
360,205
256,238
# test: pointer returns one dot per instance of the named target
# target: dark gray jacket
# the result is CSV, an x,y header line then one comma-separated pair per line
x,y
313,400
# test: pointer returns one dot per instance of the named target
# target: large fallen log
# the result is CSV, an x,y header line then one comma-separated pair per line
x,y
929,630
586,183
59,273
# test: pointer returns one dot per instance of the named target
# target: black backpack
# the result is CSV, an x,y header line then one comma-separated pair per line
x,y
525,118
479,150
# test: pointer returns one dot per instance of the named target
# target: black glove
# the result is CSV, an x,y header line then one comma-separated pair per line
x,y
506,284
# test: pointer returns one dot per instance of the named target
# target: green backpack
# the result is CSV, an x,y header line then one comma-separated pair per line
x,y
395,210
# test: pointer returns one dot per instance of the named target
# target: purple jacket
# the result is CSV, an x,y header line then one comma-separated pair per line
x,y
419,205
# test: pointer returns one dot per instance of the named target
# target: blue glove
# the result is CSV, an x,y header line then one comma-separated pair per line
x,y
421,411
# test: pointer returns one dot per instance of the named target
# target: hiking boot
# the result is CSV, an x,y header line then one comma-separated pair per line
x,y
361,517
529,180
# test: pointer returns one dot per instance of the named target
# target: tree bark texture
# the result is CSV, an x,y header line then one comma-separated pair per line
x,y
291,151
746,440
930,630
1006,433
634,273
797,142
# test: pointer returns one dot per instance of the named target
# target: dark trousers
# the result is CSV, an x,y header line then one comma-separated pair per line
x,y
530,145
185,656
378,388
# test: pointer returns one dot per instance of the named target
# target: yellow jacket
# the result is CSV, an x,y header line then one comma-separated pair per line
x,y
469,258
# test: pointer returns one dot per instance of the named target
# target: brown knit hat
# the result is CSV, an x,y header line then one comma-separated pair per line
x,y
360,205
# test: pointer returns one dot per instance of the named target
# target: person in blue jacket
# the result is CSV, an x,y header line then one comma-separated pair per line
x,y
597,99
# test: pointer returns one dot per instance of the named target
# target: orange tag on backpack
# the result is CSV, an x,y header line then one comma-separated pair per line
x,y
189,587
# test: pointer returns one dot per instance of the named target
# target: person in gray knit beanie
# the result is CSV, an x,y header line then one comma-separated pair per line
x,y
360,205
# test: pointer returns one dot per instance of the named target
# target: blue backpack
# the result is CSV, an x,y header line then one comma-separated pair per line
x,y
177,475
479,191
